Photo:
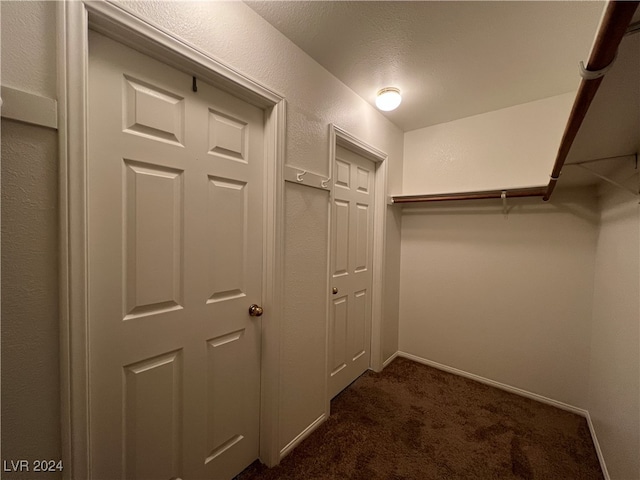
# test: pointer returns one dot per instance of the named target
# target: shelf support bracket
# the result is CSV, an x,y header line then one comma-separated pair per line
x,y
606,179
505,209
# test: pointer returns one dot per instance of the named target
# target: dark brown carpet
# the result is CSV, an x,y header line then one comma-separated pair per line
x,y
415,422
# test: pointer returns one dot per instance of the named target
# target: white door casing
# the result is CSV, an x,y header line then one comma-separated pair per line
x,y
352,214
175,260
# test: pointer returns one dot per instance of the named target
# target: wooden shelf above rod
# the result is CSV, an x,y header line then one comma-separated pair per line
x,y
487,194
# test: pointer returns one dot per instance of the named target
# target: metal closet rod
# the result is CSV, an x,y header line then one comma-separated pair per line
x,y
613,28
483,195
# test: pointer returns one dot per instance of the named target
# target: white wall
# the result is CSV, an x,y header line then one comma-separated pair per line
x,y
509,148
614,366
506,299
30,353
234,34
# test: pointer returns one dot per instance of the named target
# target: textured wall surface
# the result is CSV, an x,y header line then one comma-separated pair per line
x,y
30,371
28,46
506,299
509,148
614,367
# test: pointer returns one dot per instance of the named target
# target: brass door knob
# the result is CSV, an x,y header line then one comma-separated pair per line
x,y
335,290
255,310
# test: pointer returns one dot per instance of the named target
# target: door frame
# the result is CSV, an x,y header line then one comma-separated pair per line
x,y
340,137
74,20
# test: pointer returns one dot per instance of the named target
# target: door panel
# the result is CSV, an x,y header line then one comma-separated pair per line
x,y
341,242
363,237
153,206
152,417
175,260
228,230
152,112
224,382
358,325
351,247
227,136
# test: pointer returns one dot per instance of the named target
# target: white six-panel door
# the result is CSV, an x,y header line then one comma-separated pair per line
x,y
175,260
351,268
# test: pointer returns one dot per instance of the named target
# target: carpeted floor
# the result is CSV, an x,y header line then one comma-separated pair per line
x,y
415,422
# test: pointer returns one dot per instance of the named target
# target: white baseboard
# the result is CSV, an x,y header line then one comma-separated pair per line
x,y
596,444
390,359
502,386
302,435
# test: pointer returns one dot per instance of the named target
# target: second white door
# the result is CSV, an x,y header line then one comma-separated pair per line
x,y
351,268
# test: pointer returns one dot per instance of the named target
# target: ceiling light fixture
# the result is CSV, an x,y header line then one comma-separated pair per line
x,y
388,99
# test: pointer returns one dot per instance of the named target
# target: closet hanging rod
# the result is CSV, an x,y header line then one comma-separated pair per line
x,y
615,21
482,195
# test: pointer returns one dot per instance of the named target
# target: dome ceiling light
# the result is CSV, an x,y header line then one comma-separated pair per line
x,y
388,99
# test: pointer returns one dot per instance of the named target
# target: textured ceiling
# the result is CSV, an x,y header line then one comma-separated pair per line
x,y
450,59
